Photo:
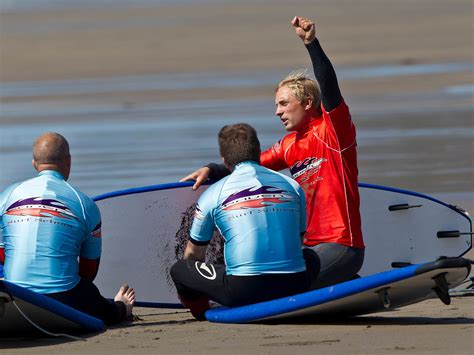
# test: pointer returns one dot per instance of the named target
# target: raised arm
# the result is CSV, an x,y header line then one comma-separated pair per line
x,y
323,70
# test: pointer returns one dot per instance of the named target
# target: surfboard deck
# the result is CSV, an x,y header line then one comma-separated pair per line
x,y
375,293
145,230
47,313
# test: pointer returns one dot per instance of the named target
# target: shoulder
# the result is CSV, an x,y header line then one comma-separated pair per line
x,y
280,147
11,189
213,191
284,179
87,202
288,139
266,173
217,186
90,205
291,182
285,141
5,194
340,110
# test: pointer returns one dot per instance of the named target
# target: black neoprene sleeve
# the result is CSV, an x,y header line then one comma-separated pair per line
x,y
218,171
325,75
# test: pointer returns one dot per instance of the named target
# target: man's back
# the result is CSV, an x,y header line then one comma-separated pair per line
x,y
260,214
46,225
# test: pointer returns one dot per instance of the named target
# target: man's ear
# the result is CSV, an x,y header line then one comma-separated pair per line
x,y
33,162
308,103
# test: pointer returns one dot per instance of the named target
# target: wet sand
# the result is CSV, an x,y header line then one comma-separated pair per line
x,y
414,121
241,38
425,328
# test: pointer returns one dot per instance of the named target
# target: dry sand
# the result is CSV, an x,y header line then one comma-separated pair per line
x,y
236,37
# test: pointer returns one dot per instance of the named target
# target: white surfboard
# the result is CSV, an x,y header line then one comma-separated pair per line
x,y
145,229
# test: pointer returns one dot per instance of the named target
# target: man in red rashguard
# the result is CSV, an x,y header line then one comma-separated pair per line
x,y
320,153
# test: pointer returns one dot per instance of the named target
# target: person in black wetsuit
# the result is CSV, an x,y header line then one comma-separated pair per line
x,y
320,152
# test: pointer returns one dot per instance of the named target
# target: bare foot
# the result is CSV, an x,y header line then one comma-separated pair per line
x,y
126,295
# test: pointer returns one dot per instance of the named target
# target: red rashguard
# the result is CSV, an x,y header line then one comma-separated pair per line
x,y
322,158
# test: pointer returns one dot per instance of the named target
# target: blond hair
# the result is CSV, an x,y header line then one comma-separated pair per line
x,y
302,87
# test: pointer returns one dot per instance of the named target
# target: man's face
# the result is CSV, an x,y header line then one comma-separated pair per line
x,y
292,113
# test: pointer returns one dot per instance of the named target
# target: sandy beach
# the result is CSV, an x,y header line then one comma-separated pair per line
x,y
425,328
253,37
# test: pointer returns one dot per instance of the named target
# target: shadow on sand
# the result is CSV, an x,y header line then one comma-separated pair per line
x,y
37,338
374,320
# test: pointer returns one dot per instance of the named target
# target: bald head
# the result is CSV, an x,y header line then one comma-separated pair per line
x,y
51,152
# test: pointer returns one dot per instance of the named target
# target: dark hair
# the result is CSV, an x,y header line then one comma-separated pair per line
x,y
238,143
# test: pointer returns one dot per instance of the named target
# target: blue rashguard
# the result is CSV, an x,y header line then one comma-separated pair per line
x,y
261,215
46,224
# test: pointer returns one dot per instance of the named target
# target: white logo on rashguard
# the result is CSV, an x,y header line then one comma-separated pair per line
x,y
206,271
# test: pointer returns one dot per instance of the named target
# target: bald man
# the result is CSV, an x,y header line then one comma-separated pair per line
x,y
51,234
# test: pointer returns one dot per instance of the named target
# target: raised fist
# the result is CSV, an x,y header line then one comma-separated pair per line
x,y
304,28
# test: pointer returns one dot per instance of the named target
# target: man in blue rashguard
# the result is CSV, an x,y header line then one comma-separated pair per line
x,y
50,236
261,216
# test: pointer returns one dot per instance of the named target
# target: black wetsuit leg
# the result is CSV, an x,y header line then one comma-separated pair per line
x,y
193,279
85,297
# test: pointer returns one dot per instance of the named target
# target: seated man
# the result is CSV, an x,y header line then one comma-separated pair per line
x,y
261,216
52,236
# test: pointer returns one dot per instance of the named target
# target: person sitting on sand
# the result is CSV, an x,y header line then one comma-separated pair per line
x,y
261,216
51,234
320,153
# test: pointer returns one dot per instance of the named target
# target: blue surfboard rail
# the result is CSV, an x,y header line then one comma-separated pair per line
x,y
84,320
254,312
177,185
142,189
